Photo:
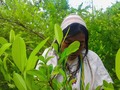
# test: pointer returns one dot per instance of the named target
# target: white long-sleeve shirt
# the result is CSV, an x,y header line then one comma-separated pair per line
x,y
94,70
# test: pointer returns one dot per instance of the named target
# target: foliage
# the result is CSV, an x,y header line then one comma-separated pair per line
x,y
18,59
104,37
25,66
35,22
28,78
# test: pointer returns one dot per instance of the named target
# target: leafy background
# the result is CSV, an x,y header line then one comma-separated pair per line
x,y
35,22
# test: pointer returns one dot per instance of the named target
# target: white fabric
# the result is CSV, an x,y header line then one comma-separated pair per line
x,y
94,70
72,18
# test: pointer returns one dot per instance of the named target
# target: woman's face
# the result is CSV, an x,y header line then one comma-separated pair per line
x,y
78,37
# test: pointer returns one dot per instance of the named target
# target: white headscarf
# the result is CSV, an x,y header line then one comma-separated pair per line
x,y
72,18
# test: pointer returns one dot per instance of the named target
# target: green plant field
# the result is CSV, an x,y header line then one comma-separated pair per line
x,y
26,29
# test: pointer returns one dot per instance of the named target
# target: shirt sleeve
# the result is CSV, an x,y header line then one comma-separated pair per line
x,y
100,73
48,53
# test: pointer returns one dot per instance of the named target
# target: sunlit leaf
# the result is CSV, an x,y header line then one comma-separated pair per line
x,y
38,73
4,47
33,58
107,86
58,33
69,50
19,53
19,81
3,40
73,47
117,64
12,36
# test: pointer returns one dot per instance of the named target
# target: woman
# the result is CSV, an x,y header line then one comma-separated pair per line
x,y
82,62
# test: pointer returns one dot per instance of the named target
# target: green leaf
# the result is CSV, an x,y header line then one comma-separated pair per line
x,y
70,49
19,81
117,64
42,59
39,73
4,62
50,68
31,63
56,84
62,73
105,83
4,47
73,47
58,33
19,53
55,46
3,40
32,58
48,58
12,36
98,88
87,86
107,86
56,70
4,72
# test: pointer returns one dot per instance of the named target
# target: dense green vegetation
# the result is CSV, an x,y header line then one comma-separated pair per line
x,y
35,22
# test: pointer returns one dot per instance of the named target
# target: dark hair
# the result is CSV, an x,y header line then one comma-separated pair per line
x,y
76,28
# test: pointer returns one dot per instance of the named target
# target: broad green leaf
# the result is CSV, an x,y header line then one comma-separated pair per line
x,y
31,63
12,36
4,47
32,58
3,40
73,47
41,75
70,49
19,81
19,53
58,33
29,80
117,64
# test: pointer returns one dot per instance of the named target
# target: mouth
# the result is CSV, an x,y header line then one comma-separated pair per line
x,y
72,56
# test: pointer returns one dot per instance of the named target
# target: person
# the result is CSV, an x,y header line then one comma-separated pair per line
x,y
82,62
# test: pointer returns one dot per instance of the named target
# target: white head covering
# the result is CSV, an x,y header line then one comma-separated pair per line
x,y
72,18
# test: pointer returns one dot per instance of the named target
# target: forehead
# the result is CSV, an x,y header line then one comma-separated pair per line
x,y
78,37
